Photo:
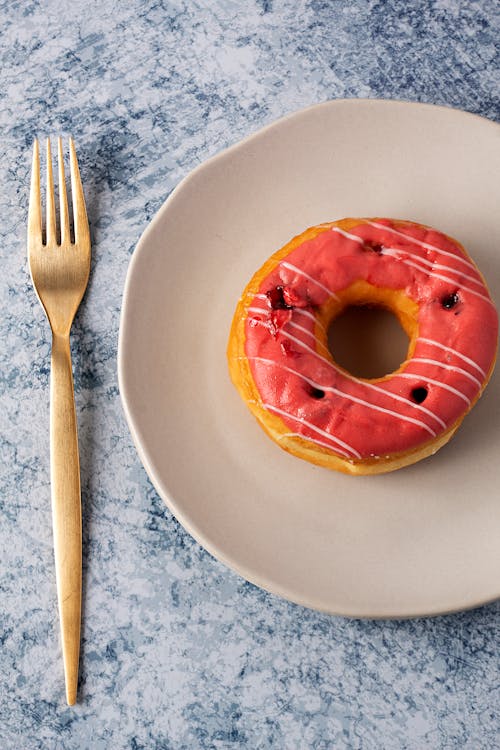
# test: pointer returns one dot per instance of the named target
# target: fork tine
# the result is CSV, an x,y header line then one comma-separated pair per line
x,y
51,208
63,197
79,211
35,206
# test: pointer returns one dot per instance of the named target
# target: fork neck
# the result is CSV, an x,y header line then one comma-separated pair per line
x,y
60,343
59,332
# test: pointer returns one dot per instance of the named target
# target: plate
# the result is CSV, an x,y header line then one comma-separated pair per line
x,y
419,541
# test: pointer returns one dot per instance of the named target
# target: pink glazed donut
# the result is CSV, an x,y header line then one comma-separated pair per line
x,y
280,362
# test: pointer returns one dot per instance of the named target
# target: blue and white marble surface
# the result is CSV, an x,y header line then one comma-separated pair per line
x,y
179,653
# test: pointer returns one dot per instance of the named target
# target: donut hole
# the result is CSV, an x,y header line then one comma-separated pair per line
x,y
375,247
276,297
316,393
449,301
419,394
368,341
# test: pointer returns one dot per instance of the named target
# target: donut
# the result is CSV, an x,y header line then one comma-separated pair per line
x,y
312,407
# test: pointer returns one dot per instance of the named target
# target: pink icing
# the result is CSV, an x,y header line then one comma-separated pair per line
x,y
355,418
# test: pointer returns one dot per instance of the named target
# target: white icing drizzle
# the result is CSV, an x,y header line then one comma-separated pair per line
x,y
347,396
407,401
306,275
268,309
309,333
395,252
256,295
294,310
290,323
452,368
309,315
257,309
423,244
312,427
447,387
314,440
444,278
348,235
455,352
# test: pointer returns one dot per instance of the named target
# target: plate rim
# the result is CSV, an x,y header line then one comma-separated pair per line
x,y
192,528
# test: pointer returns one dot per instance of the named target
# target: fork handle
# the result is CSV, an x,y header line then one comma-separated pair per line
x,y
66,507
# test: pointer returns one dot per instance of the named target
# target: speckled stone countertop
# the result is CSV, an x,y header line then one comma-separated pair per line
x,y
178,652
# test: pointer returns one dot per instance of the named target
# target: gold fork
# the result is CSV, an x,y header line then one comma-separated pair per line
x,y
60,272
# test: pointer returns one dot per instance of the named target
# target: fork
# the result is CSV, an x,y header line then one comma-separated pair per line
x,y
60,270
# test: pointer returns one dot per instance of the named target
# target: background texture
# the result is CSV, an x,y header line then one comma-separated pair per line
x,y
178,652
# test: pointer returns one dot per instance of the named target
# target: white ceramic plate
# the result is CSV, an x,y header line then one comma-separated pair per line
x,y
419,541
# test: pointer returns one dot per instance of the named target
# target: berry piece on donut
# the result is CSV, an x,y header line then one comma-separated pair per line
x,y
308,404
